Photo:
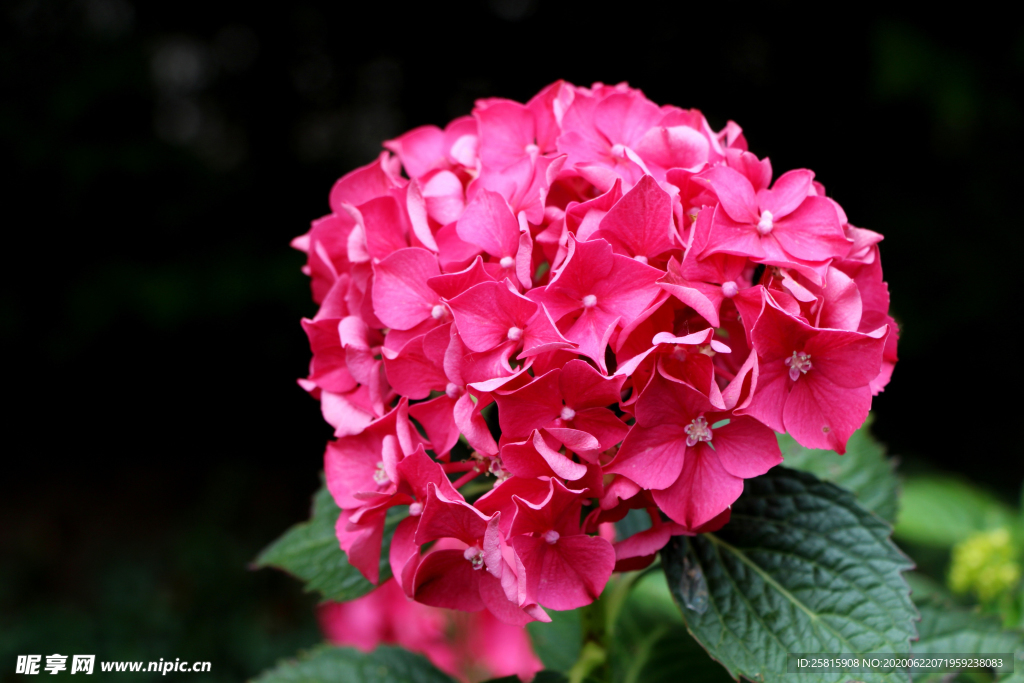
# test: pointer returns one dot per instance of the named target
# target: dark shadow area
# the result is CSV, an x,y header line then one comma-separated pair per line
x,y
160,156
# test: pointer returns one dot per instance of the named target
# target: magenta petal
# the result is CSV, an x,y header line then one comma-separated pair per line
x,y
403,547
497,603
487,312
584,387
812,232
412,374
734,192
651,456
401,297
559,463
444,518
541,335
530,407
820,414
769,401
488,223
438,419
788,192
746,447
574,439
848,359
703,490
568,574
445,578
606,427
640,224
524,461
647,542
362,544
674,147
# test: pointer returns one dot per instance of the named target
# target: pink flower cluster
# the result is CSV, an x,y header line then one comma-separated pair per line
x,y
472,646
631,292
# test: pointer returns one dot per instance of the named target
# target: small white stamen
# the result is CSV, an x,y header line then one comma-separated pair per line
x,y
507,262
380,475
706,350
551,536
568,413
415,509
453,390
618,150
697,431
515,333
641,259
799,363
531,148
730,289
589,301
765,225
475,556
438,312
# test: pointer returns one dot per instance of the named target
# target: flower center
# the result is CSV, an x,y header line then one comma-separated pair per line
x,y
515,333
641,259
475,556
765,225
730,289
551,536
415,509
438,312
453,390
697,431
380,475
507,262
531,148
589,301
568,413
799,363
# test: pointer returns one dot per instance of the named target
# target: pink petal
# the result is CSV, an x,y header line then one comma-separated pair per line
x,y
703,490
788,192
734,192
746,447
820,414
568,574
444,197
487,312
420,150
401,297
674,147
640,224
445,578
651,456
363,184
489,224
848,359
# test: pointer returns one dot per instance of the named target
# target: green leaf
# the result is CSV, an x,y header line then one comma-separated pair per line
x,y
558,643
940,511
864,470
650,643
328,664
799,568
946,629
310,551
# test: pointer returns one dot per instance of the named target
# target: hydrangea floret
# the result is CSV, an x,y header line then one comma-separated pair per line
x,y
546,315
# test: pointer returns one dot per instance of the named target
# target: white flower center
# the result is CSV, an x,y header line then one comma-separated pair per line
x,y
453,390
799,363
641,259
438,312
415,509
380,475
730,289
515,333
765,225
507,262
589,301
531,148
551,536
697,431
568,413
474,556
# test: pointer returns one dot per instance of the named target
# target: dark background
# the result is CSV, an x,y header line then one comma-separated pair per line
x,y
159,156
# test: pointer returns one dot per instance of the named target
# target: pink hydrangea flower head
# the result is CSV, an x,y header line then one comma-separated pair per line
x,y
584,301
